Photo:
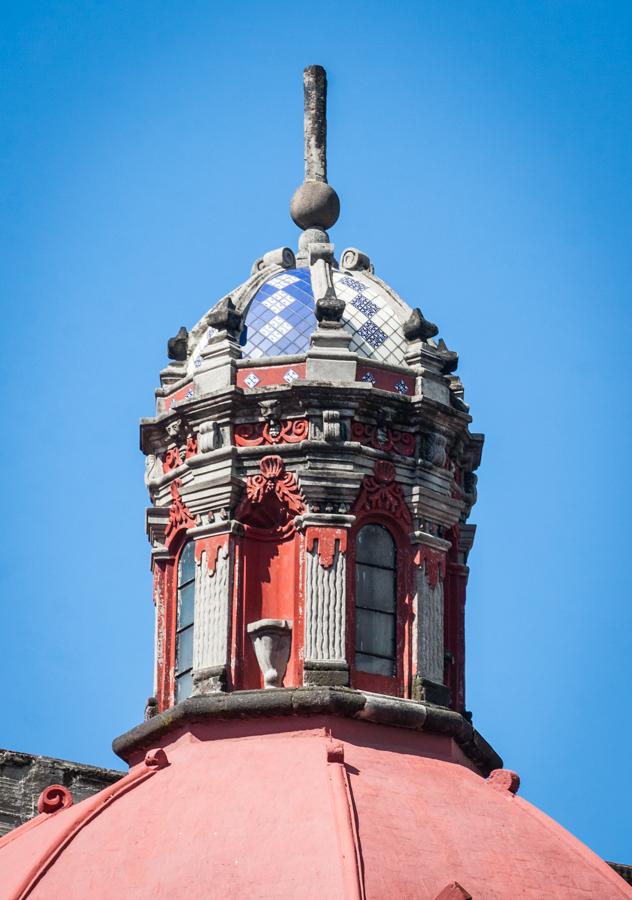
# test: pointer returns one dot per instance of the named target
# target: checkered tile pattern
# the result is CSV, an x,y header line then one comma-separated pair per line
x,y
377,332
280,319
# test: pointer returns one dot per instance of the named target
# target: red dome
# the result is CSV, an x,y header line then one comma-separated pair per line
x,y
312,806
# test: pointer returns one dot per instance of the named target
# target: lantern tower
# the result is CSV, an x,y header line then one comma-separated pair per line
x,y
311,472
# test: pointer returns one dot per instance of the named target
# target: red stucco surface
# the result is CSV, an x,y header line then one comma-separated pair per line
x,y
252,810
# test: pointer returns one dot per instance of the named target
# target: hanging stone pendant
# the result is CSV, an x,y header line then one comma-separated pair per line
x,y
271,639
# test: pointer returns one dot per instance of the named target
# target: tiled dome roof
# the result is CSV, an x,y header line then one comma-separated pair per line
x,y
280,317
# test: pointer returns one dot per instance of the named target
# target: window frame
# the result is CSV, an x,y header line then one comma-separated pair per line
x,y
395,685
176,602
392,658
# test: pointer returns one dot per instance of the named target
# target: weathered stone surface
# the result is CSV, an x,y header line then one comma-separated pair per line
x,y
313,701
24,776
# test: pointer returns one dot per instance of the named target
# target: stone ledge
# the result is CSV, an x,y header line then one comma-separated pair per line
x,y
310,701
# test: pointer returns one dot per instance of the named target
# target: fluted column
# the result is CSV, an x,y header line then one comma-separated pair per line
x,y
213,593
428,634
325,567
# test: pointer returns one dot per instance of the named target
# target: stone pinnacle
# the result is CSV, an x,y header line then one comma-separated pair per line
x,y
315,204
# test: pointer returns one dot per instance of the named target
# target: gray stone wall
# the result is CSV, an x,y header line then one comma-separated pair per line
x,y
23,777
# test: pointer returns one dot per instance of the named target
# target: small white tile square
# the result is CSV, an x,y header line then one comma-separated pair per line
x,y
290,376
278,301
251,380
275,329
281,281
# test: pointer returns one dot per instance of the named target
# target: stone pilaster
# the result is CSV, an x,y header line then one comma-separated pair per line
x,y
213,608
428,635
325,567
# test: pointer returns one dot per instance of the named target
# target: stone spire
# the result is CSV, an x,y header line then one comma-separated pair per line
x,y
315,206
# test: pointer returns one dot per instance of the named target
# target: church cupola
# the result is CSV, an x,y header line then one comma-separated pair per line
x,y
311,472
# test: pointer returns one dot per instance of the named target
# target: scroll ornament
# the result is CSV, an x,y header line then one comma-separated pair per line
x,y
284,431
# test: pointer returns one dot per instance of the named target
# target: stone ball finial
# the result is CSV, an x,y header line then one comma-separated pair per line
x,y
315,204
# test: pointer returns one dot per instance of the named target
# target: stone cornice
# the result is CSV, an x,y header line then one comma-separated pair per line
x,y
321,701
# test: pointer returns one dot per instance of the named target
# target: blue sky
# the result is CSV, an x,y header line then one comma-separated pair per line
x,y
482,155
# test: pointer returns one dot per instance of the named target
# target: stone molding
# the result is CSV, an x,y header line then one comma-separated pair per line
x,y
313,701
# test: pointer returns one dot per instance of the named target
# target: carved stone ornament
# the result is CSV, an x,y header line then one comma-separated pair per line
x,y
281,431
327,539
434,449
381,493
54,798
382,437
272,639
153,470
177,347
435,563
273,497
211,547
175,456
416,327
179,516
225,317
210,437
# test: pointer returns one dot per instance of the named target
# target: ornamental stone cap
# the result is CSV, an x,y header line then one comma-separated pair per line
x,y
275,312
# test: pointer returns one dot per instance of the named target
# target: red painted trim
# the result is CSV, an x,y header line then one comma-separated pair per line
x,y
253,434
273,499
345,822
435,562
390,440
184,393
269,375
180,518
172,460
385,379
327,539
211,546
381,493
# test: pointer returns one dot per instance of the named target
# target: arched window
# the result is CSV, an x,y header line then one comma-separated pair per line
x,y
375,602
184,622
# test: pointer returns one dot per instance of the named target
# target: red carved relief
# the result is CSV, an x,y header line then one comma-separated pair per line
x,y
435,563
391,440
179,516
172,460
211,546
173,456
287,431
272,498
326,538
381,493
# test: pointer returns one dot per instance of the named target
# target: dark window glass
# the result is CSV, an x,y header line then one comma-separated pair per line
x,y
375,601
184,622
